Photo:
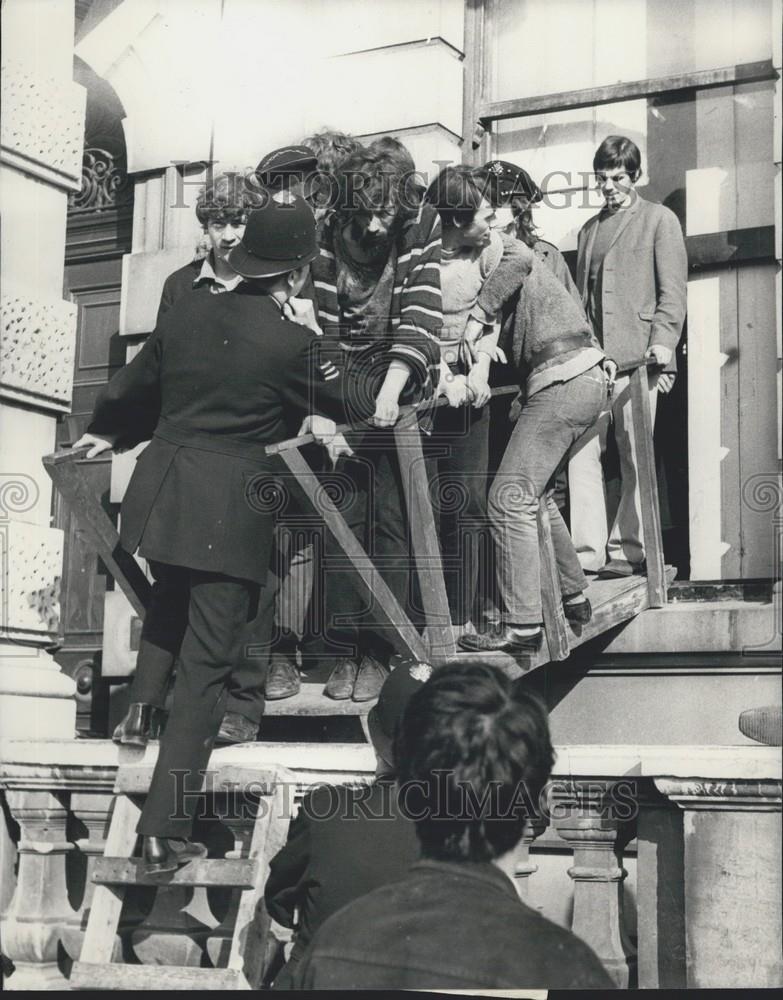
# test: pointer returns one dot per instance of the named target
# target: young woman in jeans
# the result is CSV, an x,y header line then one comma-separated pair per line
x,y
459,445
566,380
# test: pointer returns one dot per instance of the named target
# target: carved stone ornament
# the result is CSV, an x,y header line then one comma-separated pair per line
x,y
37,343
105,183
42,125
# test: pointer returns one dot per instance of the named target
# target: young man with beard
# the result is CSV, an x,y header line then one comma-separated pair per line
x,y
377,283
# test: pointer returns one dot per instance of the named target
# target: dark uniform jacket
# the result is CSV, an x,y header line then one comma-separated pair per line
x,y
221,377
447,925
344,843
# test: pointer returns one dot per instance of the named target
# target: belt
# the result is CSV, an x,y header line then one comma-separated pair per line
x,y
221,444
560,346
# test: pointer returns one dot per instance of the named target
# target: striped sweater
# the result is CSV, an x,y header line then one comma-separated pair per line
x,y
416,311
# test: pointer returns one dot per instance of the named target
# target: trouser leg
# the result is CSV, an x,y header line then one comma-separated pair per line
x,y
248,678
626,538
161,634
217,614
587,497
460,501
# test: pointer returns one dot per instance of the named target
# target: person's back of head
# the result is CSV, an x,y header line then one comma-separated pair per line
x,y
473,754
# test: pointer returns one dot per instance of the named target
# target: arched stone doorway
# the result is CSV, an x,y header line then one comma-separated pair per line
x,y
100,217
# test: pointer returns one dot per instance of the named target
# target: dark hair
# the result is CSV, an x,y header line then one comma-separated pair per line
x,y
618,151
400,155
473,754
227,196
331,149
455,194
370,179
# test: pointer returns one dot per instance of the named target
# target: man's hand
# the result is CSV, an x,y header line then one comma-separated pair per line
x,y
97,445
387,410
301,311
664,382
325,433
322,428
662,354
610,370
455,389
478,385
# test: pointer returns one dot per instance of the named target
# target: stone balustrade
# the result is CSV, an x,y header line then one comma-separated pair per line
x,y
666,860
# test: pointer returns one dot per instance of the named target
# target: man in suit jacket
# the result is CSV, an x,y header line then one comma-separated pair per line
x,y
346,841
632,272
218,380
473,755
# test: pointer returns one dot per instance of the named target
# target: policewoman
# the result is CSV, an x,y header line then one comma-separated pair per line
x,y
220,378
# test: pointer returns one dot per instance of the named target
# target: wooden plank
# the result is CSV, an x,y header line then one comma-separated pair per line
x,y
441,642
633,90
734,246
68,479
368,580
104,914
555,626
252,923
648,487
759,468
160,978
211,873
729,429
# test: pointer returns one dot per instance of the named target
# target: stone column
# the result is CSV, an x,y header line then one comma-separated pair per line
x,y
526,866
33,924
40,163
732,867
660,891
586,817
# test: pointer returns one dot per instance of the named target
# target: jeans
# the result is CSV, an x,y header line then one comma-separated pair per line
x,y
459,451
368,492
552,420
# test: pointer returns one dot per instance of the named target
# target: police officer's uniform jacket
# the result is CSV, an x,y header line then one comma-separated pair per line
x,y
221,377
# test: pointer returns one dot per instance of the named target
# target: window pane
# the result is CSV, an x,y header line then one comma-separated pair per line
x,y
708,155
548,46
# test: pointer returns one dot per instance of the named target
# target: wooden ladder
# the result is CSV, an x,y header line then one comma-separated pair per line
x,y
117,870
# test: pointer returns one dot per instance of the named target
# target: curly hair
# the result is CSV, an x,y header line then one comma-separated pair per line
x,y
371,180
473,754
331,149
226,196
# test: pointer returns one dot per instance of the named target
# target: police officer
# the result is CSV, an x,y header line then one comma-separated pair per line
x,y
220,378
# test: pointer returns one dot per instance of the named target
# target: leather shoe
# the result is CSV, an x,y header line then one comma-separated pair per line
x,y
579,613
342,679
235,728
283,679
140,724
616,568
369,680
167,854
503,639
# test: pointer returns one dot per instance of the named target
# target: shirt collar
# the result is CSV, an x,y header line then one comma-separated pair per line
x,y
207,273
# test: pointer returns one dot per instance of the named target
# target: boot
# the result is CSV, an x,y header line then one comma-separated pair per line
x,y
167,854
140,724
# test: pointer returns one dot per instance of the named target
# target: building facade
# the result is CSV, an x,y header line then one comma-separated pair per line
x,y
114,110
